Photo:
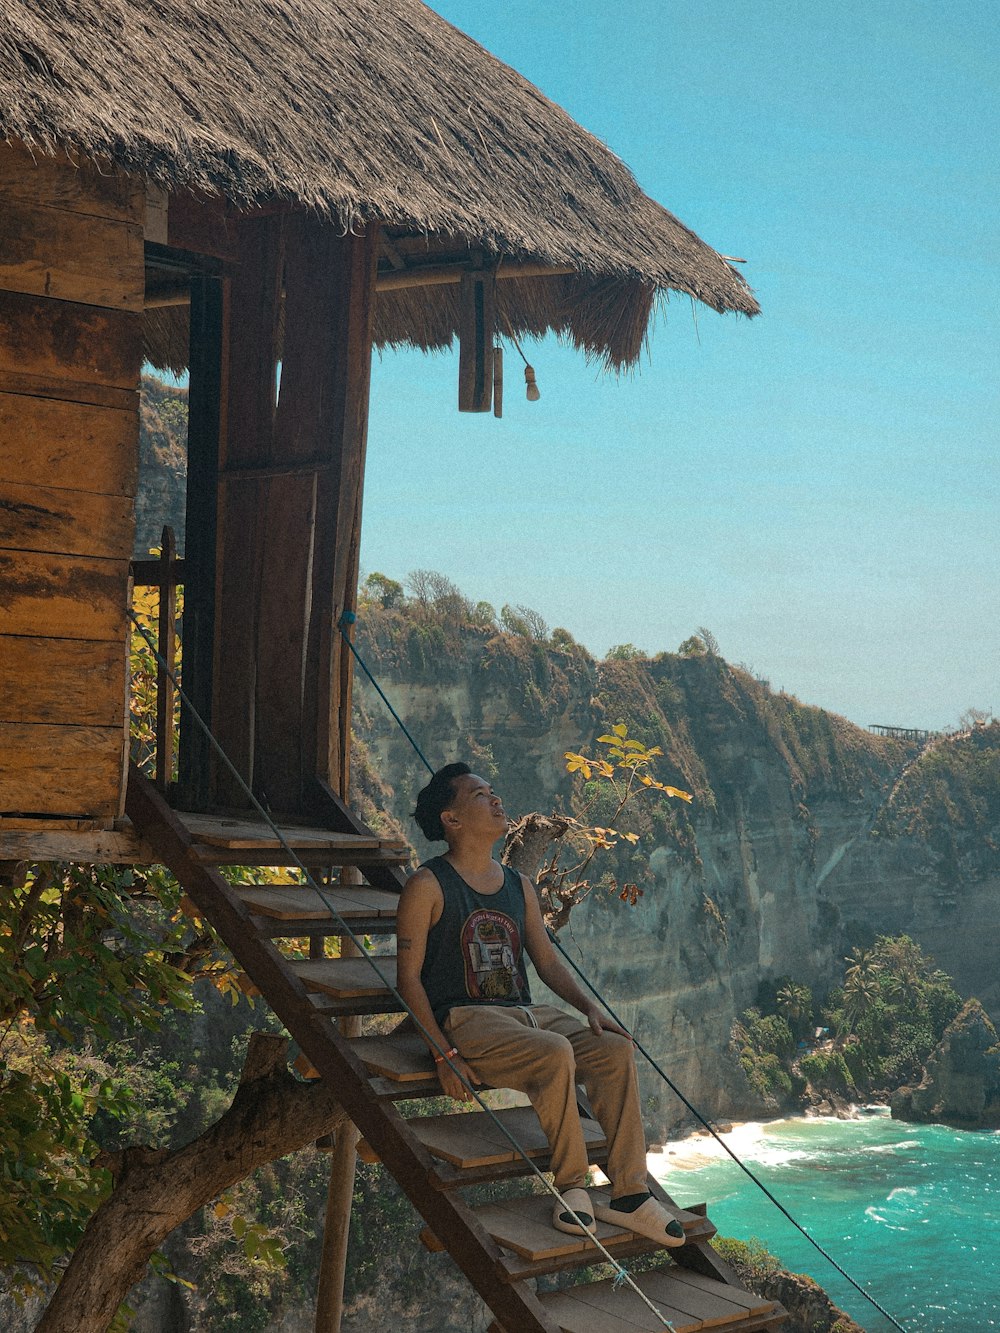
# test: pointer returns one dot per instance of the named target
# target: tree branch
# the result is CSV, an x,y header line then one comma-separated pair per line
x,y
271,1115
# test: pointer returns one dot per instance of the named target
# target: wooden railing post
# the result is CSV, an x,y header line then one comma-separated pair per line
x,y
167,644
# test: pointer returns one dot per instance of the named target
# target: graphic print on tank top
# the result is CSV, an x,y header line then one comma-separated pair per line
x,y
491,949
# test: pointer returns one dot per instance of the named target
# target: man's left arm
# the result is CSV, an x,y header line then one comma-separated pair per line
x,y
553,972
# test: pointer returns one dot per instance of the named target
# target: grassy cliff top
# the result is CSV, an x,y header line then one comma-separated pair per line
x,y
718,726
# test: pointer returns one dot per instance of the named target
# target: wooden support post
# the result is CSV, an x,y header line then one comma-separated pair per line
x,y
340,1195
205,420
166,642
250,396
290,504
339,496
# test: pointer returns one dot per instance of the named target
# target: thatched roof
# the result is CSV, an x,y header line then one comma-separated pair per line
x,y
359,110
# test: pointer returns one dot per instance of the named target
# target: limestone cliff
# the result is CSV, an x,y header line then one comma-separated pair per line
x,y
961,1083
773,871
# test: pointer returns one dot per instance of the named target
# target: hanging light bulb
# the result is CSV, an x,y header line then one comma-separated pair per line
x,y
529,380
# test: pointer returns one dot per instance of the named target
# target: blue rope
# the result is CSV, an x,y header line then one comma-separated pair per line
x,y
349,618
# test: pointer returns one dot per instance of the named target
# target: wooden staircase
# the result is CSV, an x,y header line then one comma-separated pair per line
x,y
499,1246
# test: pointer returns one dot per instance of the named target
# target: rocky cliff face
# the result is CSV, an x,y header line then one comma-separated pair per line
x,y
774,872
961,1083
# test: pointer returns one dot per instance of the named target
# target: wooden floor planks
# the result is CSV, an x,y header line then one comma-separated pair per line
x,y
524,1226
404,1058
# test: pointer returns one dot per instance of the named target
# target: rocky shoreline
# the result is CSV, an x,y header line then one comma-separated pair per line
x,y
961,1082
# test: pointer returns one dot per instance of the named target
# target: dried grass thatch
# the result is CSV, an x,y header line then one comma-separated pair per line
x,y
360,110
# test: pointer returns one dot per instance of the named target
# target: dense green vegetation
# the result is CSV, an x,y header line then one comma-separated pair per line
x,y
685,702
881,1025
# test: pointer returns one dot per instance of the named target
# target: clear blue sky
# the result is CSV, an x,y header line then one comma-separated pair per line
x,y
819,486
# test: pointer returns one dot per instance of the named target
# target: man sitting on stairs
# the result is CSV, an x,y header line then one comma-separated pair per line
x,y
464,924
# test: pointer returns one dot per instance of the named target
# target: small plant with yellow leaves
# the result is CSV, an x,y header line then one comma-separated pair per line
x,y
612,780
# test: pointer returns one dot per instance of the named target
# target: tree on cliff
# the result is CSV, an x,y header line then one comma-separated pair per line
x,y
85,953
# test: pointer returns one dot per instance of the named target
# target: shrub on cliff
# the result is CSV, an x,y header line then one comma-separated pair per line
x,y
764,1046
827,1072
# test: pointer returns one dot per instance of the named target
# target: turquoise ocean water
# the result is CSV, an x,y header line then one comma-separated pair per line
x,y
911,1212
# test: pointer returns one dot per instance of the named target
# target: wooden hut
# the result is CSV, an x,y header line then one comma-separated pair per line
x,y
196,182
223,185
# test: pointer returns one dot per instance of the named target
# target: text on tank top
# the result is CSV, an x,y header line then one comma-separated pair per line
x,y
475,951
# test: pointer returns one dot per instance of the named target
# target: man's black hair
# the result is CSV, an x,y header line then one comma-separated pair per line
x,y
435,797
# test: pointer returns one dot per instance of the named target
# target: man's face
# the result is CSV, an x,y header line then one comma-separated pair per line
x,y
475,807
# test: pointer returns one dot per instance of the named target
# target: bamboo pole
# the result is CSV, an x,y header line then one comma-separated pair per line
x,y
340,1193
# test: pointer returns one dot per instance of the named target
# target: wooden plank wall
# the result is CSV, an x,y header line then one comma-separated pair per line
x,y
71,293
289,507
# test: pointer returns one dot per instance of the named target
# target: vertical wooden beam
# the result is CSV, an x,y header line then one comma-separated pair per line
x,y
314,509
250,395
302,446
290,504
205,424
340,1193
476,331
345,490
167,644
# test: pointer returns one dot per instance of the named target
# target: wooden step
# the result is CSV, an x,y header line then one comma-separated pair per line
x,y
287,910
224,840
343,986
601,1307
524,1226
472,1139
346,978
382,1003
756,1306
400,1066
400,1058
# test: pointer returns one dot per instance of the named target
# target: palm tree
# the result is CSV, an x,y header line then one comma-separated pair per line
x,y
862,984
795,1005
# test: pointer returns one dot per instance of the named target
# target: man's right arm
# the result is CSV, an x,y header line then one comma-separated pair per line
x,y
419,907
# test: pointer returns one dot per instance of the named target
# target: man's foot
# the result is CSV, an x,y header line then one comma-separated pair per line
x,y
648,1218
574,1201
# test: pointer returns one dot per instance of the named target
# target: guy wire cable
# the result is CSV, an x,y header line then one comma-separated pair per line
x,y
622,1275
349,617
742,1165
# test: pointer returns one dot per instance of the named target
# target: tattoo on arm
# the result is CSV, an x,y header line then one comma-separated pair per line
x,y
404,943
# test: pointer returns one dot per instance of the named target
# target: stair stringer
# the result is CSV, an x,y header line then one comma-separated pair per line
x,y
478,1256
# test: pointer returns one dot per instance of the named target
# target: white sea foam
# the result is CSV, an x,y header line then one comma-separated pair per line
x,y
752,1141
904,1145
872,1212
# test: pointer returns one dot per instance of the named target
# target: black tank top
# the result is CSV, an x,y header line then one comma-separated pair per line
x,y
475,952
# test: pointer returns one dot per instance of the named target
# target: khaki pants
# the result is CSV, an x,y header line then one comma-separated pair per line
x,y
543,1052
